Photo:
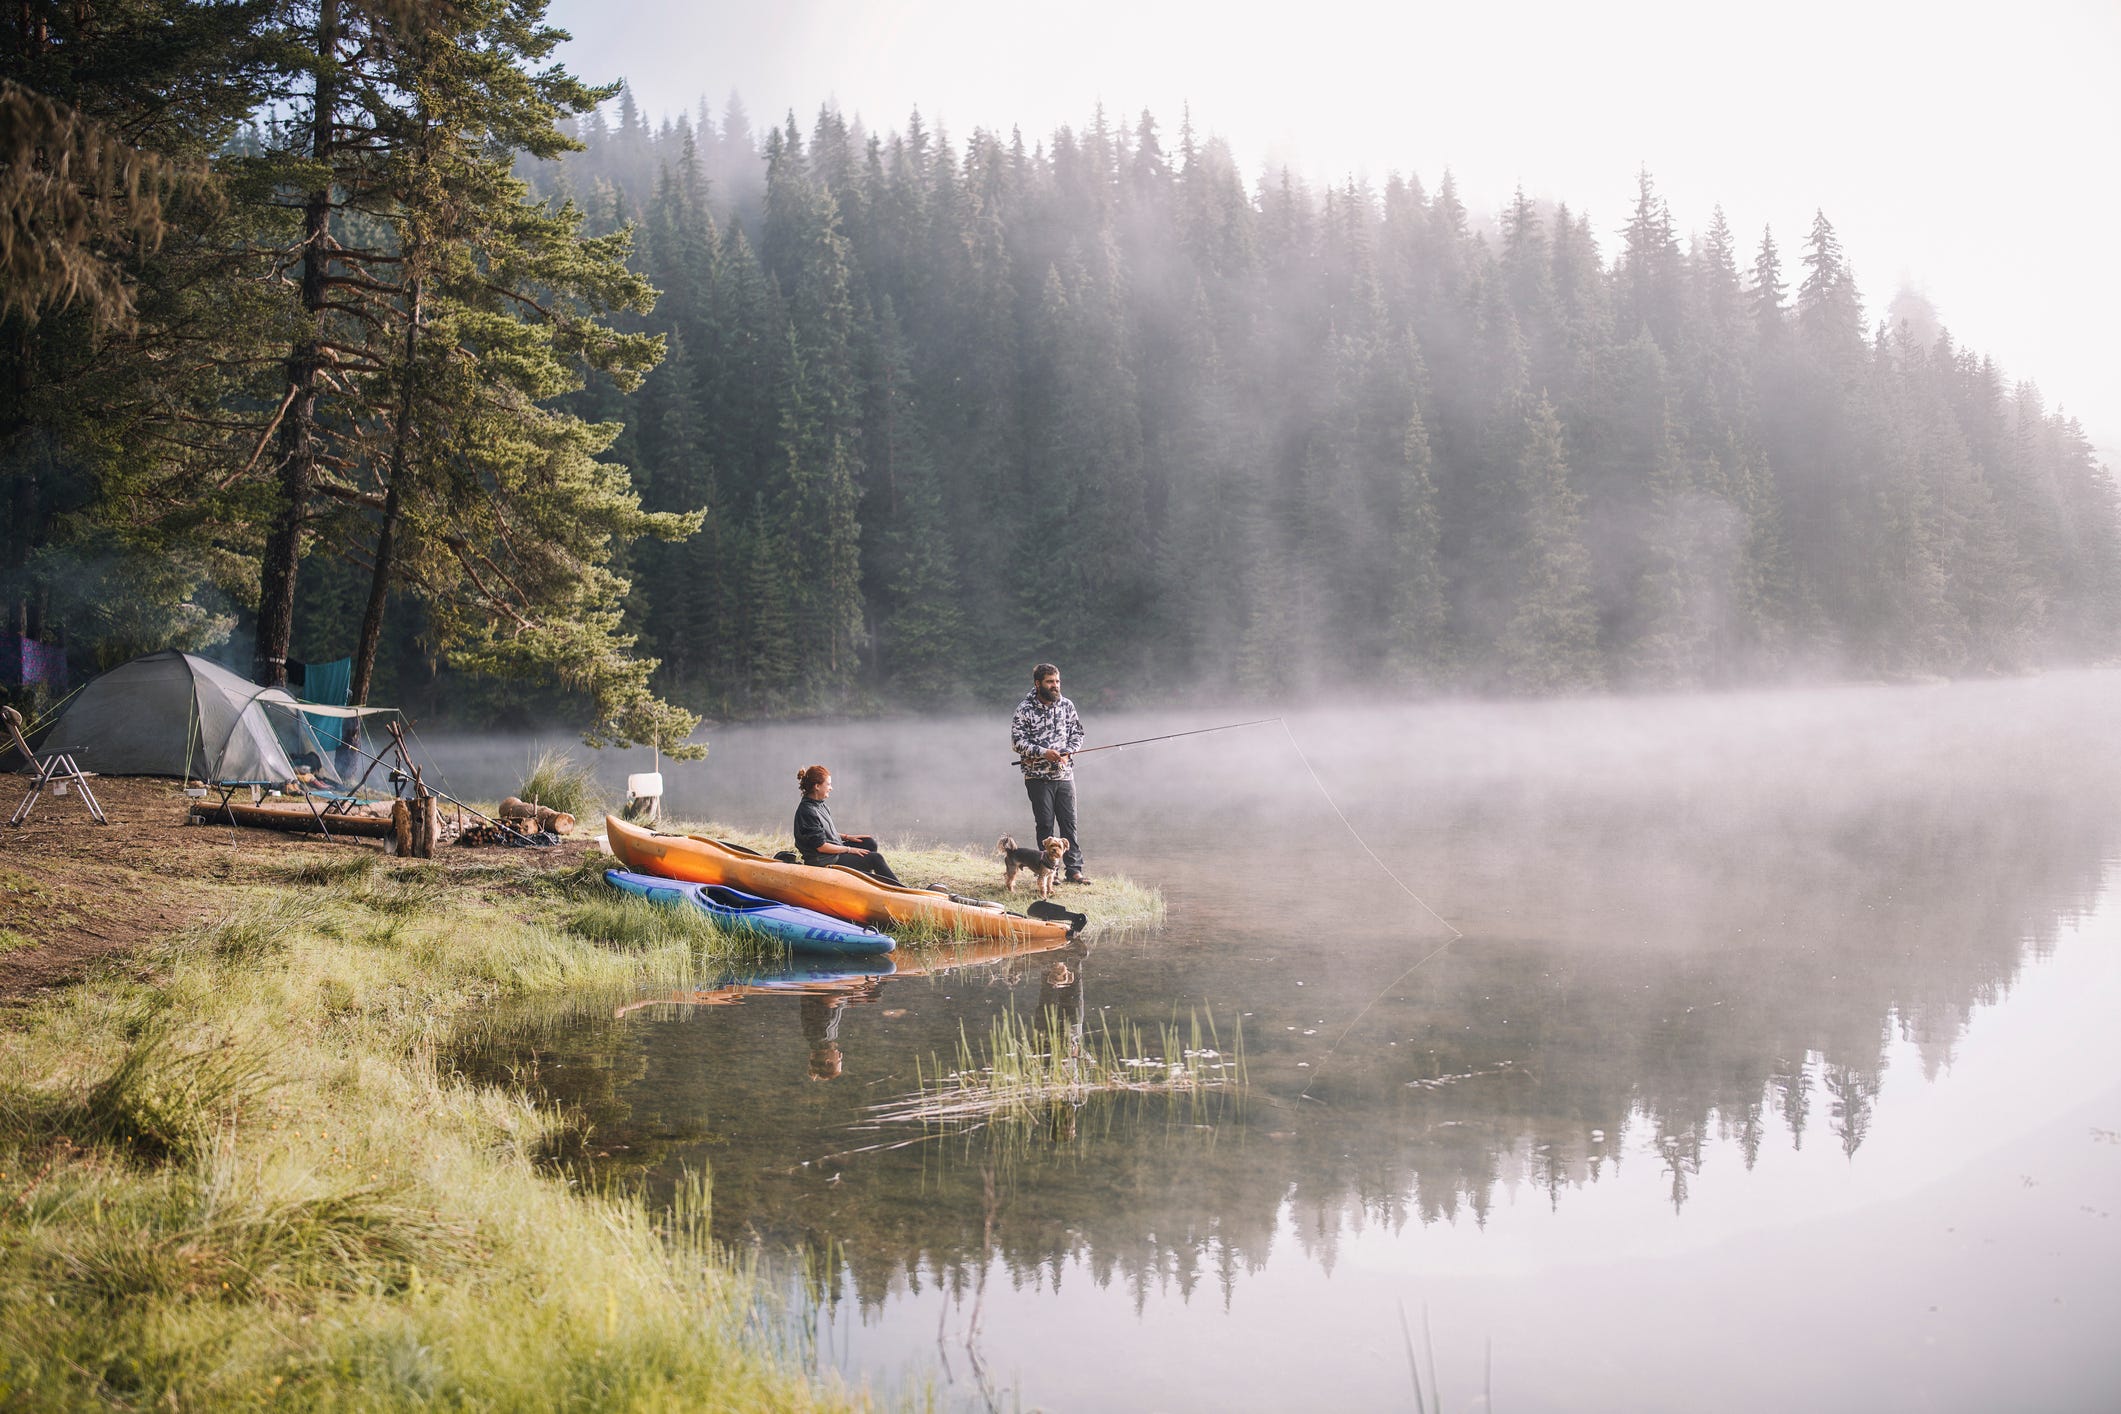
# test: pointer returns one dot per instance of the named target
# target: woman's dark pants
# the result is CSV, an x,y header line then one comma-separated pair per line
x,y
871,863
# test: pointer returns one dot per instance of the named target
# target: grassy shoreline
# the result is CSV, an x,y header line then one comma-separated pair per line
x,y
234,1175
1112,902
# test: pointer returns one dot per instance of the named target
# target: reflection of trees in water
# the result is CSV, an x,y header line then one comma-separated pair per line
x,y
1758,999
1771,953
1648,977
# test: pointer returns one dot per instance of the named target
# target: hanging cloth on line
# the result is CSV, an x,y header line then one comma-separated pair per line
x,y
330,684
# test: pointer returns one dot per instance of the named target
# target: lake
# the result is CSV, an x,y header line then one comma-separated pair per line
x,y
1743,1051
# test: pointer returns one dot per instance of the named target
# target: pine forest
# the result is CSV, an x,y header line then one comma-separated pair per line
x,y
388,338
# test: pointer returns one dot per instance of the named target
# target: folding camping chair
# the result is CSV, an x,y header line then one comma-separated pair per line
x,y
59,767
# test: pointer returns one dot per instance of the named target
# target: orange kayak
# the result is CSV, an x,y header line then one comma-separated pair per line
x,y
838,891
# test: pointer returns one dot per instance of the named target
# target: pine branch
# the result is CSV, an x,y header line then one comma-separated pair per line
x,y
349,495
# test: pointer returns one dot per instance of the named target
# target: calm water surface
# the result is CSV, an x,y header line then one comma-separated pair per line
x,y
1774,1067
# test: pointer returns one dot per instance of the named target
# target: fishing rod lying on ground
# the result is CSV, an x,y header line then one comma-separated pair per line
x,y
1167,736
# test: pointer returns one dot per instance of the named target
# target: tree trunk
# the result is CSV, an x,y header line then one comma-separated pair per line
x,y
299,450
24,536
364,664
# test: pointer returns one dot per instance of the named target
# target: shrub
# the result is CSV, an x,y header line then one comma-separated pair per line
x,y
559,782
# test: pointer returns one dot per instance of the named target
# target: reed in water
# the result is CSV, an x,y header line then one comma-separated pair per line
x,y
1030,1068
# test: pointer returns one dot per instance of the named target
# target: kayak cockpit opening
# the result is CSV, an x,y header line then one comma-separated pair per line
x,y
726,897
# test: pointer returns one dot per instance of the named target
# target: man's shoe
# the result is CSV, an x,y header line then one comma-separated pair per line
x,y
1078,879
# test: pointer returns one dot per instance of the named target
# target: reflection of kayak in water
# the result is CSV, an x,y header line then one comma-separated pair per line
x,y
835,890
801,929
851,977
848,978
934,959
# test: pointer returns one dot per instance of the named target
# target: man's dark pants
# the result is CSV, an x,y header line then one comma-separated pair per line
x,y
1053,808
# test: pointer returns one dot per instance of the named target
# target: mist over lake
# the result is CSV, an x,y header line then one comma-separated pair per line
x,y
1656,948
1773,1060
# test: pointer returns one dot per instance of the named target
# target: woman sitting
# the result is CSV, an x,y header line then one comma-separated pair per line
x,y
820,843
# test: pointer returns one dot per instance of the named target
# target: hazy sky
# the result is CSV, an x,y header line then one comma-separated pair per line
x,y
1967,150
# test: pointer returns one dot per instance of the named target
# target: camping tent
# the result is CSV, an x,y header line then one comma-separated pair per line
x,y
171,714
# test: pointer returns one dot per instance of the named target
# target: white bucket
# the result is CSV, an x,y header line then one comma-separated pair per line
x,y
645,785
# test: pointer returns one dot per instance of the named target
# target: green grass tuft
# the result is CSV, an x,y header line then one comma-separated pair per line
x,y
556,780
635,924
254,933
161,1100
327,870
220,1242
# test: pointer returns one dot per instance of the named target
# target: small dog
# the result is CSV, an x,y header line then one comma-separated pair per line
x,y
1043,862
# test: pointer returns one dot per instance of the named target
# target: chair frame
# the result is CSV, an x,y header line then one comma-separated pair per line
x,y
57,768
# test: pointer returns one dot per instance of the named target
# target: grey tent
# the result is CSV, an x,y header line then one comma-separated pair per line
x,y
171,714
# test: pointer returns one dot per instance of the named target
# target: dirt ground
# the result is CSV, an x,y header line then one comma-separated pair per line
x,y
73,892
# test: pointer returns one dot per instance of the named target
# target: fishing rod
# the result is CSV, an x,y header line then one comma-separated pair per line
x,y
1168,736
396,731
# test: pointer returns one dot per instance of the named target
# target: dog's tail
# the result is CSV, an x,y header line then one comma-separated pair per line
x,y
1004,845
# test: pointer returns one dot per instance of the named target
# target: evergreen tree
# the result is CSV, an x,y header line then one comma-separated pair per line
x,y
923,638
820,432
1417,606
1649,290
1551,640
1686,590
126,327
1829,316
766,659
1769,311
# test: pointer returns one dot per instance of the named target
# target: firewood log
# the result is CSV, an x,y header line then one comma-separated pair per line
x,y
529,815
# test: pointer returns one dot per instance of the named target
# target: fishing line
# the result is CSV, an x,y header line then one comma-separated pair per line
x,y
1432,954
1335,806
1455,933
33,727
433,765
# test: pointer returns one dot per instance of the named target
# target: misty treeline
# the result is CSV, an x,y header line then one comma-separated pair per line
x,y
951,406
318,335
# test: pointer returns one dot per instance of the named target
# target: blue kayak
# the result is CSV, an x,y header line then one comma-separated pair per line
x,y
801,929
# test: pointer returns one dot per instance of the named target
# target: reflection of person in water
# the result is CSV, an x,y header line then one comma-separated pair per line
x,y
821,1004
821,1028
1060,1015
1060,996
821,1024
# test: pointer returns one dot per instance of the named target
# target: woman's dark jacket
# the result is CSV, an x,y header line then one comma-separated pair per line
x,y
813,827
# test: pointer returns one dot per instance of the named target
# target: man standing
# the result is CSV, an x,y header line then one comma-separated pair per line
x,y
1045,734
